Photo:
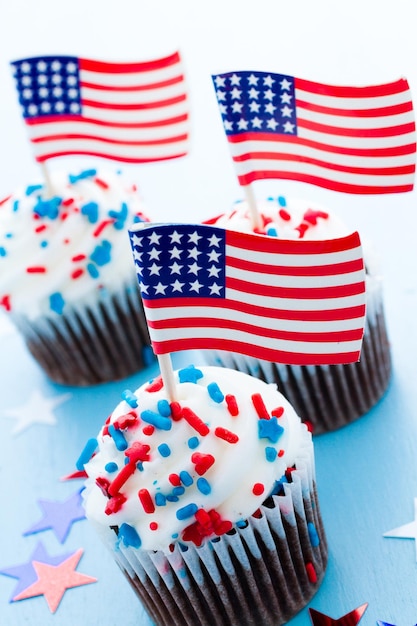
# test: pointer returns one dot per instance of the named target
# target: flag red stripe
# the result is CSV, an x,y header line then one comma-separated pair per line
x,y
305,270
373,91
291,358
117,68
260,243
106,155
136,106
164,83
390,131
120,142
208,322
302,141
35,121
250,177
293,315
283,156
395,109
296,293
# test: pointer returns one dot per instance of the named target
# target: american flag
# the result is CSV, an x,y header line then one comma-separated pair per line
x,y
130,112
295,302
347,139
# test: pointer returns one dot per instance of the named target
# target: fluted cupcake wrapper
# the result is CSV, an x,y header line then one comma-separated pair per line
x,y
329,396
93,344
262,573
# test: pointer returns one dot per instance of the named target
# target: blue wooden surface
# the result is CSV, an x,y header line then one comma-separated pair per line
x,y
366,472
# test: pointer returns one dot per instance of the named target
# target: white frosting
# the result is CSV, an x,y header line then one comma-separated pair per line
x,y
76,244
238,466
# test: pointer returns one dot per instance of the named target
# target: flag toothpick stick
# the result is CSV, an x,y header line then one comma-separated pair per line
x,y
167,375
49,192
253,209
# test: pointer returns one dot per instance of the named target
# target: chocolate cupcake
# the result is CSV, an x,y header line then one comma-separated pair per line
x,y
208,501
67,279
326,396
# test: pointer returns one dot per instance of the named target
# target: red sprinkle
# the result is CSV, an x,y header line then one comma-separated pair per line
x,y
104,484
202,462
311,216
148,430
125,421
302,229
67,201
195,422
5,302
63,216
278,412
101,183
40,228
77,273
232,404
311,572
281,453
258,489
78,257
138,452
176,411
102,226
36,269
155,385
153,526
115,504
284,215
225,434
146,501
121,478
5,200
175,480
260,407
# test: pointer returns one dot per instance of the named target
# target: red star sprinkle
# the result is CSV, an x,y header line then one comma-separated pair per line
x,y
54,580
350,619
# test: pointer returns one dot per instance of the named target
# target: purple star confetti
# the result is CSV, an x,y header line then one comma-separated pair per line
x,y
59,516
25,572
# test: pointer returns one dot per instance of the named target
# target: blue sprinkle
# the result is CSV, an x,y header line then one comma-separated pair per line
x,y
101,253
270,199
270,454
111,467
241,523
189,374
187,511
186,478
129,536
73,178
174,535
160,499
92,270
89,449
159,421
48,208
8,235
270,429
119,216
56,302
2,251
282,201
148,355
164,449
164,408
130,398
90,210
312,533
118,438
272,231
137,219
31,188
15,205
172,498
178,491
204,486
139,466
193,442
215,393
44,244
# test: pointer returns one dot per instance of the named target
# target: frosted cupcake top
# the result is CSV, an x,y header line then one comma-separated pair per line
x,y
161,472
287,218
64,249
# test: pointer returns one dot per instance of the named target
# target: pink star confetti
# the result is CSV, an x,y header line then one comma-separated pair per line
x,y
54,580
350,619
59,516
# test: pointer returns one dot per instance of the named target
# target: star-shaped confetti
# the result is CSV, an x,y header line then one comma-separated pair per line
x,y
53,580
350,619
26,573
38,409
407,531
379,623
59,516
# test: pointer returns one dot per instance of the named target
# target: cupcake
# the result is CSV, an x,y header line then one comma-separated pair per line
x,y
67,279
208,502
326,396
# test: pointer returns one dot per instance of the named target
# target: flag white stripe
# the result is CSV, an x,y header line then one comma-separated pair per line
x,y
115,151
135,116
294,260
295,304
300,282
133,97
348,121
130,79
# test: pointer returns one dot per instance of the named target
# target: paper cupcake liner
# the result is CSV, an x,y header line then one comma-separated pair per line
x,y
329,396
262,573
86,346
